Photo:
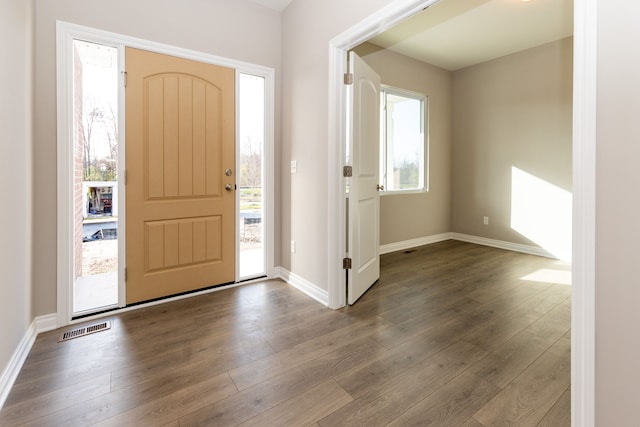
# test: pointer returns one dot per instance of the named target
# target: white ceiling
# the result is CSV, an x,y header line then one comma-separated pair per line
x,y
278,5
455,34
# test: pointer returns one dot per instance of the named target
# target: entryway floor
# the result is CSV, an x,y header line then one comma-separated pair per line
x,y
453,334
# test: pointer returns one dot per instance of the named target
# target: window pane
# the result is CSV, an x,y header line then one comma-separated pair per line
x,y
95,187
250,175
405,143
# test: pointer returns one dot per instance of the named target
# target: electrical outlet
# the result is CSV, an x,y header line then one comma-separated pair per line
x,y
293,246
294,166
485,220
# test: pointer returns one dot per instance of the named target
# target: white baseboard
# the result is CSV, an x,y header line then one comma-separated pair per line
x,y
46,323
501,244
413,243
39,324
15,364
304,286
322,296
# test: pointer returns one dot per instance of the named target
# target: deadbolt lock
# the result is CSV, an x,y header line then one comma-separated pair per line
x,y
228,172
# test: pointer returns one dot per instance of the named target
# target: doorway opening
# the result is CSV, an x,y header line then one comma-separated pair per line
x,y
95,177
584,114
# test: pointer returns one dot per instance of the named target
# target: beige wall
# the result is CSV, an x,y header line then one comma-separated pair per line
x,y
617,205
514,111
16,150
234,29
411,216
510,112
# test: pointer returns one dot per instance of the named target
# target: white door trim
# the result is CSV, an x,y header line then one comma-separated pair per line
x,y
65,34
584,140
585,43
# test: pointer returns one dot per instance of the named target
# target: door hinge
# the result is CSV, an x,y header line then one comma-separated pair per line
x,y
348,78
347,171
346,263
125,177
124,78
125,274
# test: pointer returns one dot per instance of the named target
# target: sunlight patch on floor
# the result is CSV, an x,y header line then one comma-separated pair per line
x,y
545,275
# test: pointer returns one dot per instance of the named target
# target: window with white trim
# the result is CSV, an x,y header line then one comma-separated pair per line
x,y
403,141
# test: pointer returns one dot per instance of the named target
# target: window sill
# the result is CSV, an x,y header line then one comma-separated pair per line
x,y
403,192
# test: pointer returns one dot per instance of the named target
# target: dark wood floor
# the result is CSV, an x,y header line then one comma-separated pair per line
x,y
451,335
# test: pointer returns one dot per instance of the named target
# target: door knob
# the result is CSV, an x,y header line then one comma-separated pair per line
x,y
228,187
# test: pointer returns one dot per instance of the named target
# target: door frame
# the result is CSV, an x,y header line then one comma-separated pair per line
x,y
65,34
584,155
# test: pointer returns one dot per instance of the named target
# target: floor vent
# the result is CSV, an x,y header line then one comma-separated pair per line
x,y
85,330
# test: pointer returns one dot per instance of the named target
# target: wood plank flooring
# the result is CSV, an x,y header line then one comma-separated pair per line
x,y
451,335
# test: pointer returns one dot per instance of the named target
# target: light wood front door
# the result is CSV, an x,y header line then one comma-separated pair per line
x,y
180,203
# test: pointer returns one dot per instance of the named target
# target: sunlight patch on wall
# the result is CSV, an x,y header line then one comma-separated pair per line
x,y
541,212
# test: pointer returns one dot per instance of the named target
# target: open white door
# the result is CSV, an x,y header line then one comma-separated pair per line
x,y
363,200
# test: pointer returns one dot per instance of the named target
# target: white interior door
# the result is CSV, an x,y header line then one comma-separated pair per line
x,y
363,198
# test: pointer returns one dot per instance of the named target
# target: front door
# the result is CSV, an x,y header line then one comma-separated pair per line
x,y
180,155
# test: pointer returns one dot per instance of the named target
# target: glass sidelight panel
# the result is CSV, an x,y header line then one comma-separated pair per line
x,y
251,176
95,189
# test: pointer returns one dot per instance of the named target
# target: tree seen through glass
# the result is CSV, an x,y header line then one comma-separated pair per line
x,y
403,152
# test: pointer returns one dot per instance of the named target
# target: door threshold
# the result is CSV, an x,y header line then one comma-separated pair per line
x,y
164,300
183,295
95,313
252,279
